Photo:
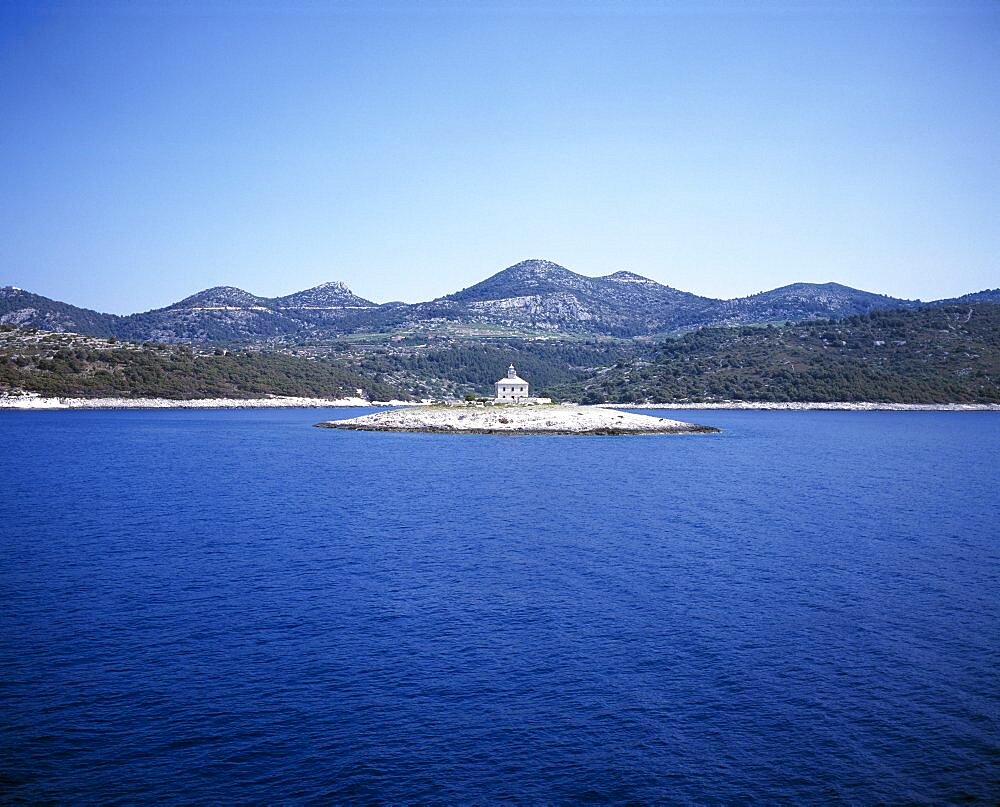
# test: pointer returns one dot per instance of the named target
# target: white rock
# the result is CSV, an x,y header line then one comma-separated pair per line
x,y
34,401
514,419
840,406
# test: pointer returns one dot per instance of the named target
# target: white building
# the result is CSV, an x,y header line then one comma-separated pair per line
x,y
512,388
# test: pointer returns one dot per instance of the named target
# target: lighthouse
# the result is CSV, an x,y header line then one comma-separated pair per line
x,y
512,388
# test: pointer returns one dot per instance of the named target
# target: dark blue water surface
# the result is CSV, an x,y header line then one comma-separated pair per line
x,y
225,606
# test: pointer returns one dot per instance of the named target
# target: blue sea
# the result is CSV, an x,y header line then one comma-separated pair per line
x,y
232,606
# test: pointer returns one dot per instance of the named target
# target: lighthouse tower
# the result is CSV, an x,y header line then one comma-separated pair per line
x,y
512,388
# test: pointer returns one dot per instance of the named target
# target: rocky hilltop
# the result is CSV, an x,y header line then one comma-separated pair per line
x,y
533,297
801,301
333,296
24,309
543,296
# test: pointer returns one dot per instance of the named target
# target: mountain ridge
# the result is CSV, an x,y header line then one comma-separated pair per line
x,y
533,296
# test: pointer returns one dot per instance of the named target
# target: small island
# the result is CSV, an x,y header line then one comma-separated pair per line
x,y
515,419
514,411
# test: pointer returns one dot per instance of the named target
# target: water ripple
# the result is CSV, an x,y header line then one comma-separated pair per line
x,y
232,606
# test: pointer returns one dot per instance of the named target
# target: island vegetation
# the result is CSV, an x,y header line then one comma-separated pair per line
x,y
947,354
933,355
59,364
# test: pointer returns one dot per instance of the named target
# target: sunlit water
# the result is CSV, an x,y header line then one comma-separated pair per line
x,y
233,606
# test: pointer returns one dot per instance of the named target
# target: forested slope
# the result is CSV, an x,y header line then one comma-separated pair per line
x,y
462,367
77,366
946,354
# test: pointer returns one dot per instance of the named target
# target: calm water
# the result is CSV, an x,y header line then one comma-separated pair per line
x,y
233,606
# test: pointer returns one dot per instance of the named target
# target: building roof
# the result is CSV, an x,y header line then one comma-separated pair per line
x,y
512,379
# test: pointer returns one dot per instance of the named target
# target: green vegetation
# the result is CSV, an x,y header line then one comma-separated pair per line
x,y
75,366
947,354
472,367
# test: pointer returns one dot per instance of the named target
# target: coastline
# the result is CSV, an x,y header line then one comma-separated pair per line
x,y
38,403
833,406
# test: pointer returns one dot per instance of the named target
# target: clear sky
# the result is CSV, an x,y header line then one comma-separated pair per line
x,y
149,150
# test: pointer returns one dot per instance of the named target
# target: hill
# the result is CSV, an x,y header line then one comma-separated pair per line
x,y
70,365
455,368
333,296
22,308
943,354
543,296
533,297
800,301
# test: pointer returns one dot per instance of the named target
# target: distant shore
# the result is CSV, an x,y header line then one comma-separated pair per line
x,y
836,406
36,402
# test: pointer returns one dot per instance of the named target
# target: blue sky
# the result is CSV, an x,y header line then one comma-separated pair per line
x,y
148,150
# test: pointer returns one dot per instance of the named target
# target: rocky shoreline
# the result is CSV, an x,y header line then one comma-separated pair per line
x,y
835,406
516,419
39,403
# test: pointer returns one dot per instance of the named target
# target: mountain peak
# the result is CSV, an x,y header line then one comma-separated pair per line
x,y
825,291
221,297
538,267
332,294
629,277
334,285
524,279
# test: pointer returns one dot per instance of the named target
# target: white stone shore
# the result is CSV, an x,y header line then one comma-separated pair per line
x,y
841,406
37,402
515,419
33,401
